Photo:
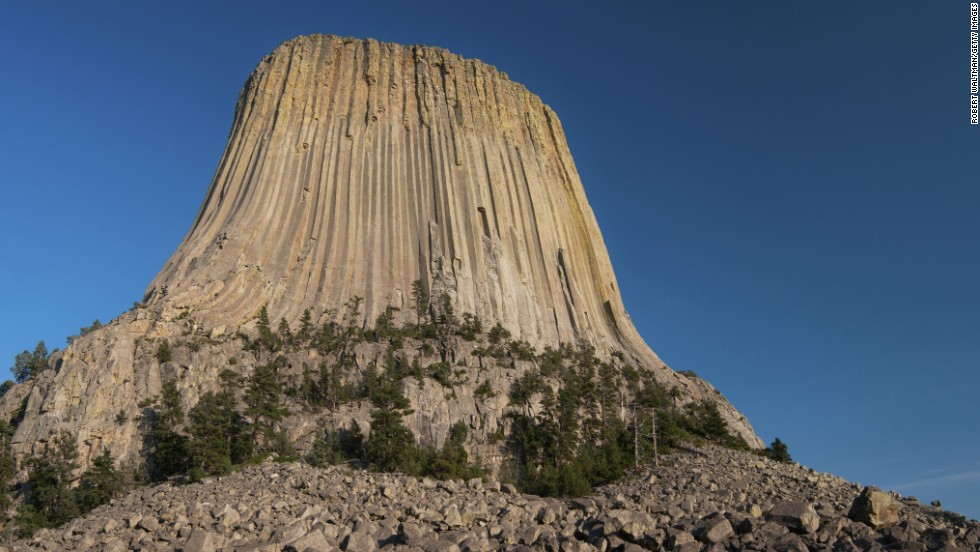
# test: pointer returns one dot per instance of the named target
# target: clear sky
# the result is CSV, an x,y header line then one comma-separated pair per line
x,y
790,191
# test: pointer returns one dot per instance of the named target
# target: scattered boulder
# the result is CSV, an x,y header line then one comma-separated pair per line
x,y
201,541
875,508
692,506
717,530
797,516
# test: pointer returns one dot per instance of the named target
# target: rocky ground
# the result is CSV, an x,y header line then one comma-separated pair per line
x,y
707,500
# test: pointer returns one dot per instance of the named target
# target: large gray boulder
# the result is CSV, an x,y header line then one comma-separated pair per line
x,y
875,508
797,516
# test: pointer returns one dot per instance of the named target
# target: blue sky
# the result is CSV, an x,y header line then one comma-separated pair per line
x,y
789,191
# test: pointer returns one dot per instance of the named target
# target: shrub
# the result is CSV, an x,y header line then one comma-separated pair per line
x,y
164,353
471,328
440,372
498,334
484,390
522,350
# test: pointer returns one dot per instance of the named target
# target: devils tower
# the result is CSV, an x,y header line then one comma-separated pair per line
x,y
358,167
354,169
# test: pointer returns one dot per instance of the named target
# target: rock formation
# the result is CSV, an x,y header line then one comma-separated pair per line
x,y
355,168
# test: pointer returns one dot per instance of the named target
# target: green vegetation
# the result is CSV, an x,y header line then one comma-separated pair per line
x,y
578,436
778,451
390,445
336,447
7,470
164,354
27,365
95,325
99,483
574,420
220,432
49,500
472,327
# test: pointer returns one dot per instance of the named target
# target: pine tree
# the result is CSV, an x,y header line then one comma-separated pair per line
x,y
712,424
331,385
212,428
268,340
452,462
352,441
472,327
99,483
420,298
48,500
350,332
306,329
263,401
29,364
498,334
169,453
7,468
384,324
286,337
779,452
326,449
391,445
164,354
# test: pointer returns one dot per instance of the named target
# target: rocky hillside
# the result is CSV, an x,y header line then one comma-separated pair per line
x,y
699,500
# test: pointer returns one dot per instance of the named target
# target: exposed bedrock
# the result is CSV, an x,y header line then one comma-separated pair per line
x,y
354,168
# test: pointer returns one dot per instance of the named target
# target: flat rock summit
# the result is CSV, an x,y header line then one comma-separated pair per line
x,y
400,214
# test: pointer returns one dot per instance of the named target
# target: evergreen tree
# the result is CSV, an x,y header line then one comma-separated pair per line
x,y
326,449
268,340
350,332
448,325
285,336
384,324
48,500
779,452
391,445
331,384
498,334
99,483
169,452
352,442
164,354
29,364
371,381
306,329
212,428
420,299
7,468
332,447
263,401
452,462
471,328
708,421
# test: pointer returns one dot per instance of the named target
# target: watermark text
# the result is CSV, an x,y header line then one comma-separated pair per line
x,y
974,56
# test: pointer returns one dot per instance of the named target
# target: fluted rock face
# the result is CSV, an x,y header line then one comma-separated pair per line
x,y
355,168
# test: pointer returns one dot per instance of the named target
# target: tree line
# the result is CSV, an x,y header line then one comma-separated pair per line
x,y
574,421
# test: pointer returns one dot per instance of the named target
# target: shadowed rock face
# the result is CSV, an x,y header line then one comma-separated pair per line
x,y
354,168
